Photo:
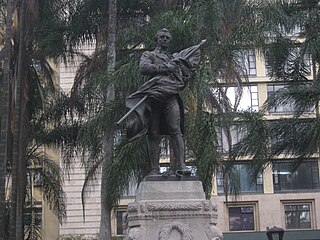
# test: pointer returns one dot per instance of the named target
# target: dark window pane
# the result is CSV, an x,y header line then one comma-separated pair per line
x,y
297,216
306,176
246,184
281,108
120,221
36,212
241,218
37,178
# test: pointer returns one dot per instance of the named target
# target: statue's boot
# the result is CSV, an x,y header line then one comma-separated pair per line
x,y
179,153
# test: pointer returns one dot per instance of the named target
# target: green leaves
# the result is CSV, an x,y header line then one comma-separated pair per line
x,y
295,137
129,165
302,96
51,183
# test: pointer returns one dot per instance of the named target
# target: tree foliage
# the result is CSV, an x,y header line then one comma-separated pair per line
x,y
32,88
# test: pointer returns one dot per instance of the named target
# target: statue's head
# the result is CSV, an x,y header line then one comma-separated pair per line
x,y
163,38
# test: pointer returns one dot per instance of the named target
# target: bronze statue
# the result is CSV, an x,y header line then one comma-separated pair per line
x,y
157,105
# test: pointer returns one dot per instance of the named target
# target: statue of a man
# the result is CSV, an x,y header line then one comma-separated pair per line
x,y
162,112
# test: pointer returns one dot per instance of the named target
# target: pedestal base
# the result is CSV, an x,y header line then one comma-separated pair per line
x,y
172,210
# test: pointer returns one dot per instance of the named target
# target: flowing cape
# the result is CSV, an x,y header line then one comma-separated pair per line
x,y
159,88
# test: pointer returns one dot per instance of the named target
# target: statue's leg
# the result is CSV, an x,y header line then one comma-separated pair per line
x,y
154,153
154,138
178,149
172,112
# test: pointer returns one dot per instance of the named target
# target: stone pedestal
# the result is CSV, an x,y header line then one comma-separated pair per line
x,y
172,210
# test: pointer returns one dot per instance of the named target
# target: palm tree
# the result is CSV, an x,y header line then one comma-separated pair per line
x,y
234,32
19,73
18,166
302,94
5,109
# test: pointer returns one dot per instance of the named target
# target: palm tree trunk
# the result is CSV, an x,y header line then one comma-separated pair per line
x,y
105,223
315,75
5,109
105,232
17,198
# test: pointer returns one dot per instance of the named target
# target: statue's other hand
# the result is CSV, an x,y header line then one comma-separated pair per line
x,y
171,67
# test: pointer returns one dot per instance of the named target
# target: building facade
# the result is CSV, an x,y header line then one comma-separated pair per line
x,y
278,197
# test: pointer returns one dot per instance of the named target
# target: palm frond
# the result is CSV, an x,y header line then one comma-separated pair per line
x,y
51,182
127,78
203,147
254,143
32,232
297,137
231,178
90,176
129,165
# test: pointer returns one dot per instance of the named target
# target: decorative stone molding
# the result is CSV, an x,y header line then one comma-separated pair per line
x,y
132,208
183,229
174,206
142,208
169,209
207,206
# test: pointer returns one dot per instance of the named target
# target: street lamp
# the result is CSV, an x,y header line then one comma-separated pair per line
x,y
275,230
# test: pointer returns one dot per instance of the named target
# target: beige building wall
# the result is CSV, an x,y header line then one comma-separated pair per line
x,y
76,224
268,207
50,222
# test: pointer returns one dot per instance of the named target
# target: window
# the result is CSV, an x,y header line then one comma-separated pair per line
x,y
34,175
236,134
295,31
246,60
36,211
279,140
304,177
244,179
244,100
121,222
289,63
284,108
37,178
241,218
297,215
251,64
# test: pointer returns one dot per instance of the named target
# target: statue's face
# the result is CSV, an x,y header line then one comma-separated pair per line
x,y
163,40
